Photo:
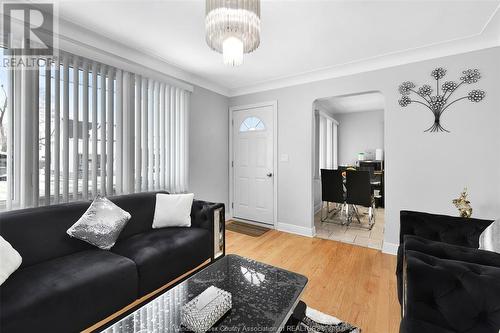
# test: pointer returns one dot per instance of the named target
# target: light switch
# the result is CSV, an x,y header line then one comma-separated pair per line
x,y
284,158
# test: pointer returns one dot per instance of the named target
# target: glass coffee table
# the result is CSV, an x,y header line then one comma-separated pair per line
x,y
263,298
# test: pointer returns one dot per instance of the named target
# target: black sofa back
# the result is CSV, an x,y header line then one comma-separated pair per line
x,y
43,233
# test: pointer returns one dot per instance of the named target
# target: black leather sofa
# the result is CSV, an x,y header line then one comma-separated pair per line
x,y
66,285
445,284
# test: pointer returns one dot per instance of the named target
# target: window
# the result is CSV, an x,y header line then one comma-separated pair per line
x,y
326,132
101,130
252,124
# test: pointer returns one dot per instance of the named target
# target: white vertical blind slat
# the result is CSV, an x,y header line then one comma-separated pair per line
x,y
102,110
57,130
172,141
177,141
26,139
85,131
47,137
119,132
144,141
36,137
10,139
150,135
137,121
128,127
186,138
180,142
109,132
94,130
65,129
17,137
161,171
157,136
167,137
75,127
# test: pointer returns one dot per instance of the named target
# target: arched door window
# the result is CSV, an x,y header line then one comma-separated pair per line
x,y
252,124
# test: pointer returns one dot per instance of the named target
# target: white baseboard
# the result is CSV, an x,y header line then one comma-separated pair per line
x,y
390,248
295,229
228,216
317,207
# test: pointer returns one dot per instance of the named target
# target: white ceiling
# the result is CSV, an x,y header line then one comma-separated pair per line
x,y
297,37
370,101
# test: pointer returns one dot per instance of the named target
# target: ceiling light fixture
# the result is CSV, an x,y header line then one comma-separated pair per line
x,y
232,28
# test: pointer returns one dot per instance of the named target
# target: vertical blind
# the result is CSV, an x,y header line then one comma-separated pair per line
x,y
78,128
327,142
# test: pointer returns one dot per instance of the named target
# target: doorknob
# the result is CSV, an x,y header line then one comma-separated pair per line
x,y
269,174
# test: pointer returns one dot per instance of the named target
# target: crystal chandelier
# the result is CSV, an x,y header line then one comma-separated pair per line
x,y
232,28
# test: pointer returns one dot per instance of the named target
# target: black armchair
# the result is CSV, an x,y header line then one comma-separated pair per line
x,y
439,228
445,284
450,296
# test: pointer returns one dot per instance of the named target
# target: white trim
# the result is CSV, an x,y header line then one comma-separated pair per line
x,y
232,109
327,116
259,224
317,207
390,248
295,229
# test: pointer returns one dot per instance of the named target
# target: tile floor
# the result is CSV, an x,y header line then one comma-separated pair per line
x,y
353,234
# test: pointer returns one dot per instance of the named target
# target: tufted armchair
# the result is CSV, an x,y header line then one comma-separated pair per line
x,y
449,296
445,284
438,228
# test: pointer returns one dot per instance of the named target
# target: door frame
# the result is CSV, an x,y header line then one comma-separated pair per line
x,y
232,109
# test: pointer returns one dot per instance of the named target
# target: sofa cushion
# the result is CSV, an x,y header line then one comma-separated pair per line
x,y
141,207
39,234
67,294
161,255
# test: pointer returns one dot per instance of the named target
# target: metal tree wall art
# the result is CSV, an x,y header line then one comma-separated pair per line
x,y
440,102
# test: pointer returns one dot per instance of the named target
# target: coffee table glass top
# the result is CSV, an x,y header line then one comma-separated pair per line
x,y
263,297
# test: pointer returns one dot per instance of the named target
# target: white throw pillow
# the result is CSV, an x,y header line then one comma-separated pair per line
x,y
10,260
489,239
173,210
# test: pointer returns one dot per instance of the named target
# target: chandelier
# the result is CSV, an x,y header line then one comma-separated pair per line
x,y
232,28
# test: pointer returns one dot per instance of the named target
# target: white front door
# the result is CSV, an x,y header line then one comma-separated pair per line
x,y
253,182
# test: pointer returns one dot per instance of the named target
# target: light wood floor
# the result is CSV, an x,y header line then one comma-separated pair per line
x,y
353,283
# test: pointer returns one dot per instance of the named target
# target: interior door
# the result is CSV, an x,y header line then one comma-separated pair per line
x,y
253,182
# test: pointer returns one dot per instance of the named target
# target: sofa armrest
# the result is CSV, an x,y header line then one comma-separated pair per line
x,y
204,215
443,251
450,295
442,228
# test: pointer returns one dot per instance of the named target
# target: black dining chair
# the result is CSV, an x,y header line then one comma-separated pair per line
x,y
332,191
359,193
371,170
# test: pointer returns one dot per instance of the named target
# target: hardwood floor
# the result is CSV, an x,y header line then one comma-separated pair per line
x,y
353,283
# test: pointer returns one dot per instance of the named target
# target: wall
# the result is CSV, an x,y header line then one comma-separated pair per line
x,y
359,132
424,170
208,146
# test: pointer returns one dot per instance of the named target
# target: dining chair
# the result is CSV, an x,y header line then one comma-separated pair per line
x,y
359,193
332,191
